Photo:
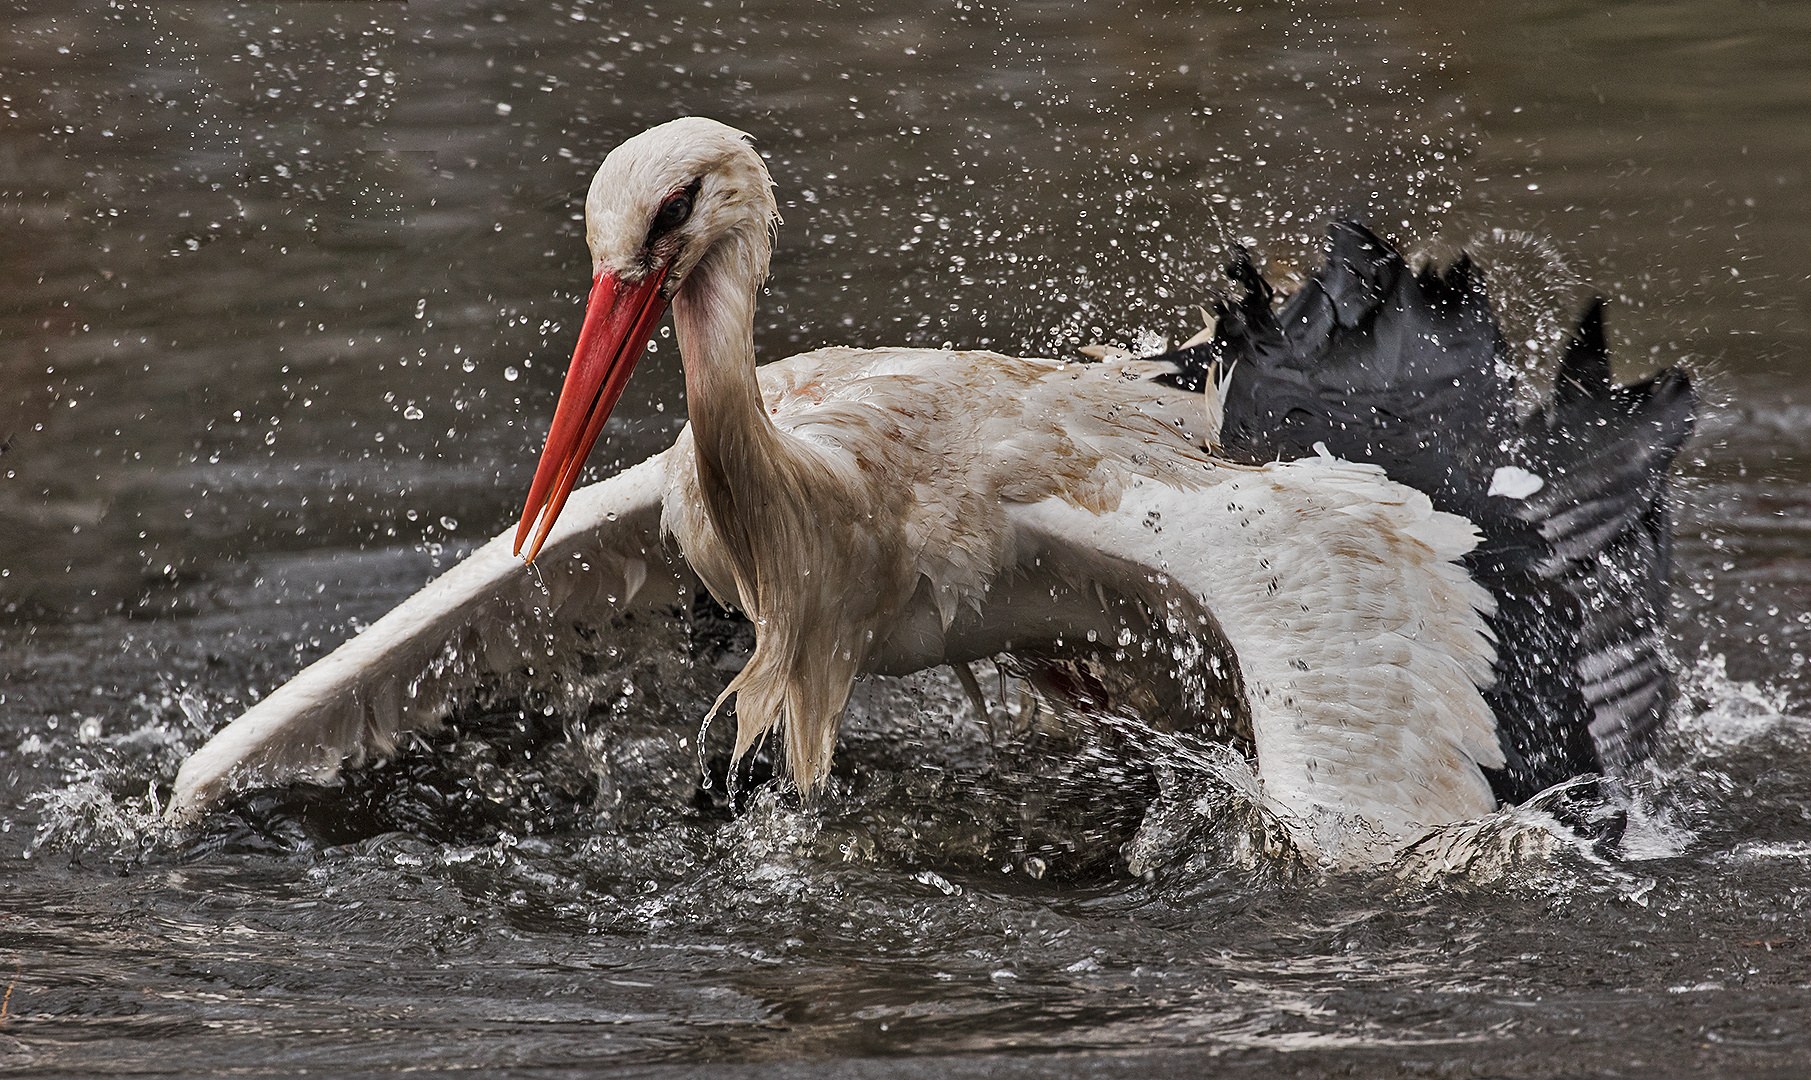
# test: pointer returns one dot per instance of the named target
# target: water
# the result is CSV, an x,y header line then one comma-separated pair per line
x,y
290,289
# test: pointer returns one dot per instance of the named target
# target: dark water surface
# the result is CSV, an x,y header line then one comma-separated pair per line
x,y
288,289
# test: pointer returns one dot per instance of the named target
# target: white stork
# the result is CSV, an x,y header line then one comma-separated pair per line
x,y
889,510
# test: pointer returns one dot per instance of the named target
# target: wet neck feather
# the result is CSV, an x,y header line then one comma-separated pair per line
x,y
746,468
767,495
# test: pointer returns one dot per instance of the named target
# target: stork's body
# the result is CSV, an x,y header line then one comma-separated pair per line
x,y
890,510
862,509
937,507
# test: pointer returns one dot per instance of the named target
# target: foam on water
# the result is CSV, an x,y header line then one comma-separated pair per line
x,y
921,795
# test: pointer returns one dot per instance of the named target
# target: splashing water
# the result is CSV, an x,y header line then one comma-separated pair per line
x,y
259,240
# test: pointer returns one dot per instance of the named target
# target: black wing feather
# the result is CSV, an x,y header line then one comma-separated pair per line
x,y
1406,369
1605,452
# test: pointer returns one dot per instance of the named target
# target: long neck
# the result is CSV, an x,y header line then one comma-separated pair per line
x,y
747,472
714,314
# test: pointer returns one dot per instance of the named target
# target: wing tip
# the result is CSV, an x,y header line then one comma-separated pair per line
x,y
1337,362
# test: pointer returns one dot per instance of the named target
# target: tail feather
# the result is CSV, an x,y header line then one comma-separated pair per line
x,y
1406,369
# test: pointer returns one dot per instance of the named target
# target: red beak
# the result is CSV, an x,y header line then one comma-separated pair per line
x,y
619,320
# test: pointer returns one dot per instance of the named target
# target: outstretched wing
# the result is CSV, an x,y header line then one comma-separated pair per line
x,y
489,616
1357,639
1404,368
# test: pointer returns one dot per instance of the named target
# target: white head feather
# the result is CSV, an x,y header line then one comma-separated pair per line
x,y
733,195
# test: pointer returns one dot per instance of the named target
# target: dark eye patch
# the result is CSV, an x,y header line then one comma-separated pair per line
x,y
674,212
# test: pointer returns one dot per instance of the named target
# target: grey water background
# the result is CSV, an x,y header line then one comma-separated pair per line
x,y
286,292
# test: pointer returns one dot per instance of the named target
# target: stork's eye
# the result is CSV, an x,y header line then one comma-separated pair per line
x,y
673,212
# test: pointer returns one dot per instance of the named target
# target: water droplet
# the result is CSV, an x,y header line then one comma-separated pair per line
x,y
412,413
511,373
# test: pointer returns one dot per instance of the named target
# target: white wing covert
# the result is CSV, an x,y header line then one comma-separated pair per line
x,y
489,615
1358,636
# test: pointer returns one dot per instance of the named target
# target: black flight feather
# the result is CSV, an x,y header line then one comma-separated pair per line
x,y
1405,369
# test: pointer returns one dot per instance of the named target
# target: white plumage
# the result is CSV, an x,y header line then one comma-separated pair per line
x,y
889,510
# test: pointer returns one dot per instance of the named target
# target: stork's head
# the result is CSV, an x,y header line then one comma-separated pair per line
x,y
662,199
660,204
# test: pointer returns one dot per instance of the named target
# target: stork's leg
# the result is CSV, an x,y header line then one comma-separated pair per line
x,y
966,676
